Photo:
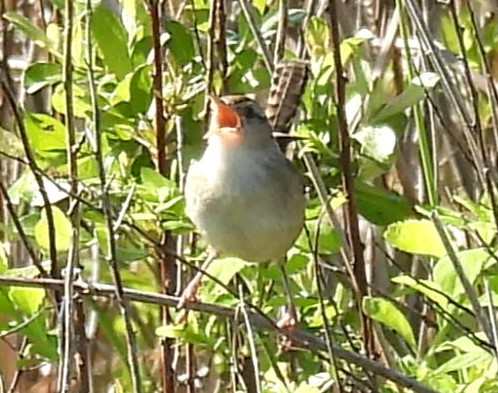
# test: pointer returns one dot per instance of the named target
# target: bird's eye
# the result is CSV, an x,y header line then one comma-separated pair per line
x,y
251,114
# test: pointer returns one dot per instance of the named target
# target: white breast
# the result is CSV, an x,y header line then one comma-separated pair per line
x,y
247,202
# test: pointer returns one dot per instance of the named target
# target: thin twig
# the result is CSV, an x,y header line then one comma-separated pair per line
x,y
489,171
469,289
35,169
248,14
305,339
167,264
353,231
313,244
283,7
66,339
111,257
20,230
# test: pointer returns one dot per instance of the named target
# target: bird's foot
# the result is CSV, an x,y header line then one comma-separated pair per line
x,y
287,323
188,296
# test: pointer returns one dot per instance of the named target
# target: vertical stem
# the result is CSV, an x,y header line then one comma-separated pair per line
x,y
111,256
351,216
66,340
167,263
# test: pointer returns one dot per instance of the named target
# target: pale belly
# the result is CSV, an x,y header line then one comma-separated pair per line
x,y
248,229
255,215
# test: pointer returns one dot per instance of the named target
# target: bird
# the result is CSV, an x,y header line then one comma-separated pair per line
x,y
243,195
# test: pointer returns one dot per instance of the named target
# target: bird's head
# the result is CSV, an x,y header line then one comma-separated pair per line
x,y
238,119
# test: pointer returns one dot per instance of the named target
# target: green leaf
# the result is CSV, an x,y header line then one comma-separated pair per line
x,y
32,31
464,361
30,271
189,333
413,94
140,89
225,269
110,36
27,300
415,237
40,75
11,144
317,36
4,265
377,142
156,188
81,100
45,133
428,288
180,42
62,226
380,206
328,241
472,262
385,312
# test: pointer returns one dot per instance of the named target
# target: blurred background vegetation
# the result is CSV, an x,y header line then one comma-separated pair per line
x,y
102,108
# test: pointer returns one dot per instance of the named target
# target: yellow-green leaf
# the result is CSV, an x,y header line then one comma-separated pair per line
x,y
62,230
387,313
415,237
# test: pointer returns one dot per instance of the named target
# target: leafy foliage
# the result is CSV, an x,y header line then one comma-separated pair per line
x,y
424,321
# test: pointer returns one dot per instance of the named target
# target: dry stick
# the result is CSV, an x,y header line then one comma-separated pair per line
x,y
35,169
301,46
469,289
250,338
440,66
283,6
20,230
17,376
353,231
219,42
489,171
318,279
248,14
307,340
167,264
66,327
111,241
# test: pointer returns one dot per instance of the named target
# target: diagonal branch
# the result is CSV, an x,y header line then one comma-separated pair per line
x,y
298,336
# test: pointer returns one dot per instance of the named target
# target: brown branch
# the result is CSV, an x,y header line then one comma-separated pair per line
x,y
35,169
298,336
111,256
351,217
167,264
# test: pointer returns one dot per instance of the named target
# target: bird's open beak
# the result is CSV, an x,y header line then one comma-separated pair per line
x,y
223,118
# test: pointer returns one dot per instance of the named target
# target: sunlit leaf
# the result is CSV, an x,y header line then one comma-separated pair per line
x,y
27,300
384,311
377,142
62,228
380,206
45,132
415,237
110,36
472,262
32,31
40,75
413,94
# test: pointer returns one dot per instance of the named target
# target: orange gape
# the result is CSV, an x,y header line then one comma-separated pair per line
x,y
225,122
225,116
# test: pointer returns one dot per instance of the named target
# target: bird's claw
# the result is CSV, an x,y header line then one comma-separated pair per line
x,y
188,296
287,323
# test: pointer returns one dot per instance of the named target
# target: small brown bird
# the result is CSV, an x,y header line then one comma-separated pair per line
x,y
243,195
